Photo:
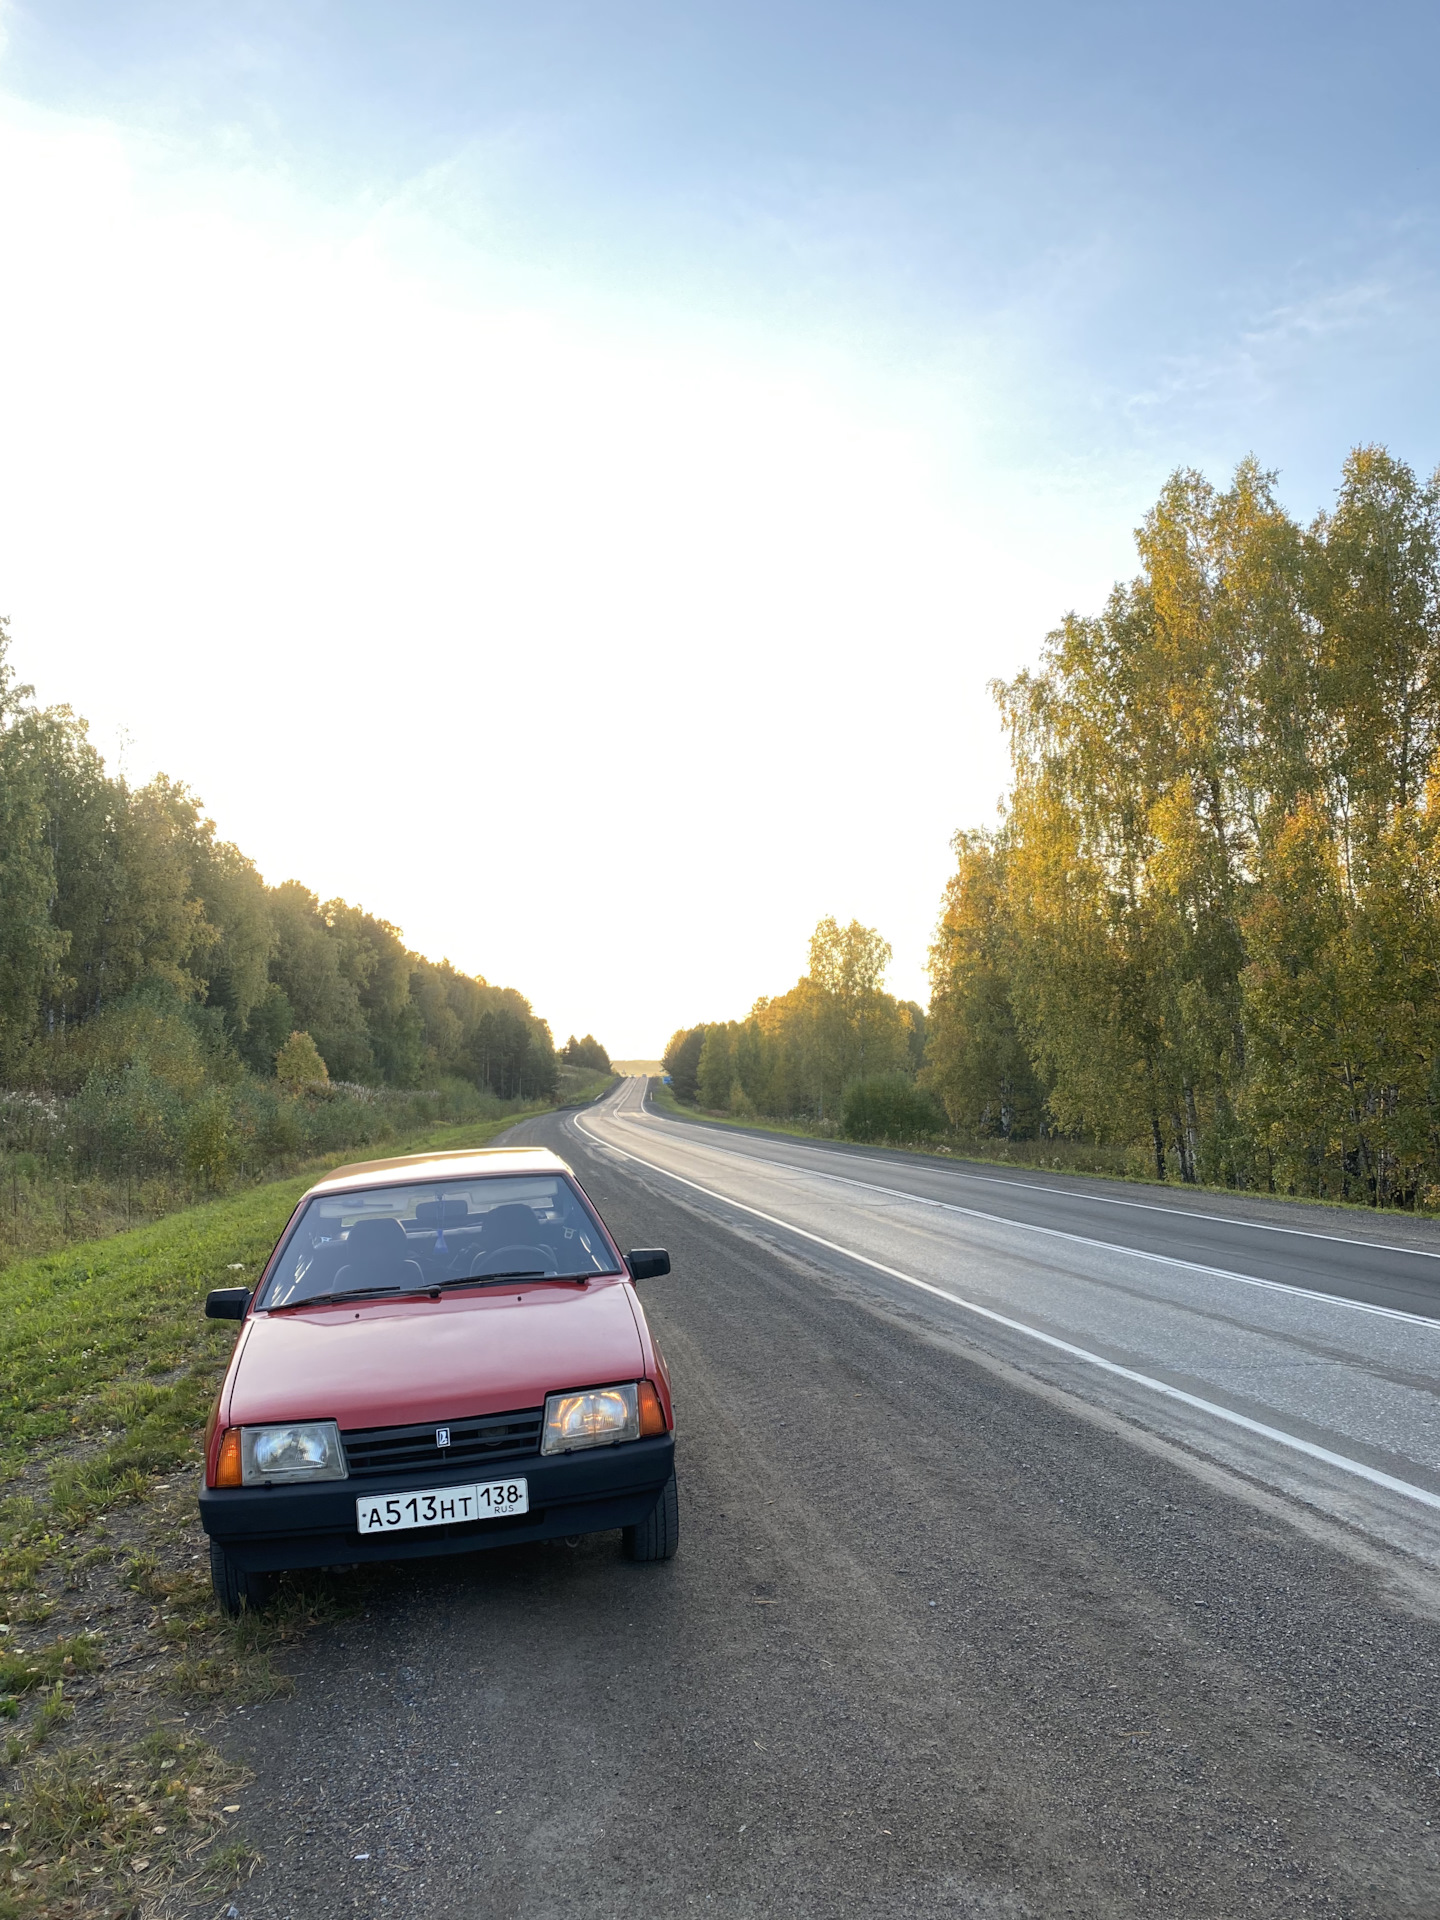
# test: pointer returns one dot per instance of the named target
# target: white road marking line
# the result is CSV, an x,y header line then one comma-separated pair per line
x,y
1113,1200
1085,1240
1210,1407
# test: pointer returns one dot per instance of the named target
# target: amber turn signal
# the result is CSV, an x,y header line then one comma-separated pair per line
x,y
652,1414
228,1469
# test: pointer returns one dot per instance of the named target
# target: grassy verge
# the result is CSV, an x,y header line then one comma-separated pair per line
x,y
110,1645
580,1085
1055,1156
664,1098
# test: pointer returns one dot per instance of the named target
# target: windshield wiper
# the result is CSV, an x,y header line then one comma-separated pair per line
x,y
425,1286
488,1279
347,1293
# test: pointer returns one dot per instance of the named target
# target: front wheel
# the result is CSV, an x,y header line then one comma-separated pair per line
x,y
236,1589
657,1537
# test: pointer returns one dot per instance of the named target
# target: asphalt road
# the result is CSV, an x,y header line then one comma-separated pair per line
x,y
1383,1260
1275,1339
961,1624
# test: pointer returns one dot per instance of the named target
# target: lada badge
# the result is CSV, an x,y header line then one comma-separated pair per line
x,y
442,1436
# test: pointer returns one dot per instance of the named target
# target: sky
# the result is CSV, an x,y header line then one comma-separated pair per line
x,y
564,476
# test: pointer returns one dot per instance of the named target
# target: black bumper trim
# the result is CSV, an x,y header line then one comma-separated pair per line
x,y
269,1529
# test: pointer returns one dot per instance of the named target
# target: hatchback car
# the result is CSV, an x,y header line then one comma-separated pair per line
x,y
444,1352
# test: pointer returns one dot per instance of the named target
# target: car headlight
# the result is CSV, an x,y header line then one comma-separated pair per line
x,y
596,1418
310,1450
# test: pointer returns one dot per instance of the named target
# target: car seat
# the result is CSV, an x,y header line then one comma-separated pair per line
x,y
509,1227
377,1254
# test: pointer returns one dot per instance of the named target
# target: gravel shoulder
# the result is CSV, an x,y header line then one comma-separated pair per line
x,y
933,1644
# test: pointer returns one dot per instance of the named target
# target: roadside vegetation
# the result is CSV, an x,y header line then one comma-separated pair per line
x,y
579,1086
584,1072
799,1054
1204,944
171,1028
111,1650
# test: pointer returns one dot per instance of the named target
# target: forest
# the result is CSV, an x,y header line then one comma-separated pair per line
x,y
167,1016
828,1050
1205,934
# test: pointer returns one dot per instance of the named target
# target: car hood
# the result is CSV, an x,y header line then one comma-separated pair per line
x,y
400,1363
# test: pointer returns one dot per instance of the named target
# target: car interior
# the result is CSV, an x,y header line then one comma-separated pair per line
x,y
438,1238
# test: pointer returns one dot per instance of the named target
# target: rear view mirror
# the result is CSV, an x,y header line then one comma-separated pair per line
x,y
647,1263
228,1303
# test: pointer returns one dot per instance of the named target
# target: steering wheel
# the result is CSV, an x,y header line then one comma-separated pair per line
x,y
520,1258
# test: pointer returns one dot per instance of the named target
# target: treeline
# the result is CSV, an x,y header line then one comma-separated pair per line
x,y
804,1054
1205,938
150,980
586,1053
1208,927
107,891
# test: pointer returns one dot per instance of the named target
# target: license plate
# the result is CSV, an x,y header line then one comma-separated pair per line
x,y
441,1506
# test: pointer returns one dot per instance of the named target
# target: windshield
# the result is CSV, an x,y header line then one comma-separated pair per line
x,y
430,1232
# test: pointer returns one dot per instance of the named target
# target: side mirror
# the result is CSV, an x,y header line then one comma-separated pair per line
x,y
227,1303
647,1263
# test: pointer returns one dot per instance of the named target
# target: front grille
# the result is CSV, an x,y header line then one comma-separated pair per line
x,y
473,1442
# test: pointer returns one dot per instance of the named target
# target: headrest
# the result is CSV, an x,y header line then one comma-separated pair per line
x,y
376,1237
512,1220
432,1214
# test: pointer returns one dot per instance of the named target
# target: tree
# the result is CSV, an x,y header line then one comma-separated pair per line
x,y
682,1061
716,1073
298,1065
1209,919
1141,751
234,902
586,1053
976,1061
31,945
125,902
266,1027
798,1051
306,967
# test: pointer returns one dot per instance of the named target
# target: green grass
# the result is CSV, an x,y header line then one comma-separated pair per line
x,y
581,1084
664,1097
19,1672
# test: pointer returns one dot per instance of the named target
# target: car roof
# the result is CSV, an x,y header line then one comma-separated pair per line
x,y
467,1164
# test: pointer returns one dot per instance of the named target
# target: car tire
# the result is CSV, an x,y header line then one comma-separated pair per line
x,y
236,1589
657,1537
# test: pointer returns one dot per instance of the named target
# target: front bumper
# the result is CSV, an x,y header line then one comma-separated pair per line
x,y
268,1529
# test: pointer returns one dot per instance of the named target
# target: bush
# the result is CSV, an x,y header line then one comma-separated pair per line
x,y
279,1125
128,1121
207,1133
889,1106
182,1046
298,1064
155,1109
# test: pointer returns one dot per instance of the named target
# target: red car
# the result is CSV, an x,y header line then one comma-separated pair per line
x,y
444,1352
